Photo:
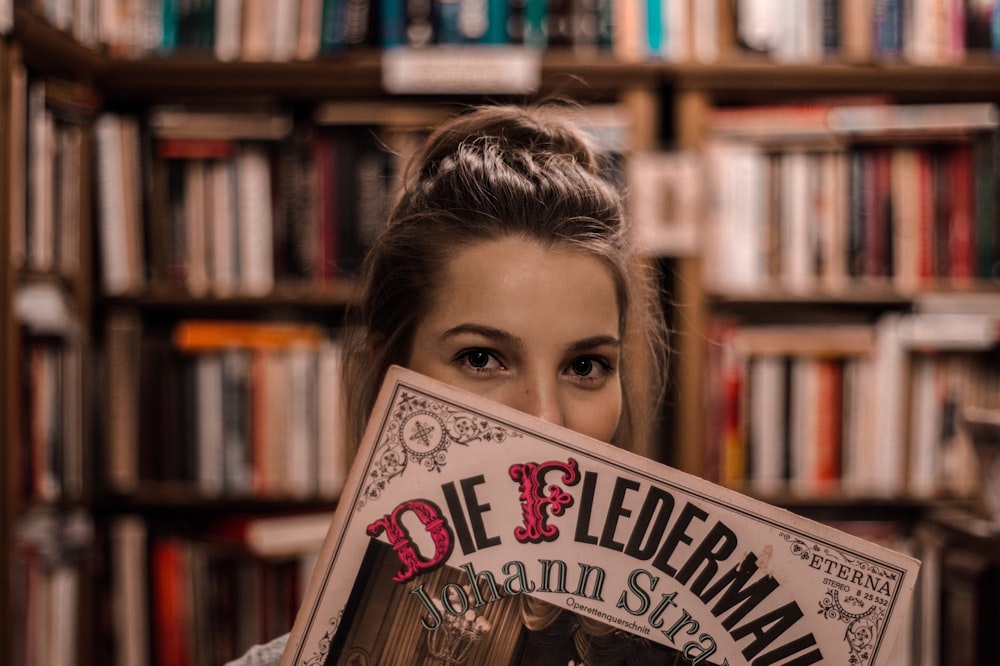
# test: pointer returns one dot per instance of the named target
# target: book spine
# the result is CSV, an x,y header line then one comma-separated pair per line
x,y
358,28
559,23
961,236
995,28
170,25
536,16
447,22
333,29
393,23
986,206
831,28
228,29
655,26
419,23
115,273
888,16
311,16
256,219
497,16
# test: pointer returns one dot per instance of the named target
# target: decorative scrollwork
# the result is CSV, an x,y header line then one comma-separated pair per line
x,y
862,628
326,642
421,431
865,618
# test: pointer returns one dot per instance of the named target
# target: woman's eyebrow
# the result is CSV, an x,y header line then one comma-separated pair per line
x,y
490,332
595,341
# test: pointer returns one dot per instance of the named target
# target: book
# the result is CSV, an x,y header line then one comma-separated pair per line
x,y
194,335
276,536
469,527
180,122
665,201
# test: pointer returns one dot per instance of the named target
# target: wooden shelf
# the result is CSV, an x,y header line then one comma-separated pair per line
x,y
979,79
874,297
337,295
355,74
54,51
179,498
346,75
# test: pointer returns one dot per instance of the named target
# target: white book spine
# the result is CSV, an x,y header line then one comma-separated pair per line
x,y
678,30
111,200
222,227
737,213
925,427
255,221
285,27
228,29
890,371
129,581
767,423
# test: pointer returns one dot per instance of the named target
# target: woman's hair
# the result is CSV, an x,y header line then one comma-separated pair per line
x,y
496,172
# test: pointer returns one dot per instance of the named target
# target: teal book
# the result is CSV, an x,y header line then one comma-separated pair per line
x,y
535,22
496,22
655,24
169,26
392,23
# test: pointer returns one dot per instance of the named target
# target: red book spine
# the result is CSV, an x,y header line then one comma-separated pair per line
x,y
925,225
195,149
170,610
829,430
960,239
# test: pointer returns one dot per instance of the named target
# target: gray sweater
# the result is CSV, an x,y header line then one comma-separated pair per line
x,y
268,654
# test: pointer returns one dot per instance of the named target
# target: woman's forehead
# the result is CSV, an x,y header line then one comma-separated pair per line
x,y
517,283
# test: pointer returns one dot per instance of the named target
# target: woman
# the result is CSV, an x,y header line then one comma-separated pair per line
x,y
506,270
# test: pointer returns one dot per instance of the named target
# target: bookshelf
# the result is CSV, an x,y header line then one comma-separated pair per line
x,y
666,98
7,499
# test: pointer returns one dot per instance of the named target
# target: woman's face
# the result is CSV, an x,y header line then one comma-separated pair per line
x,y
533,328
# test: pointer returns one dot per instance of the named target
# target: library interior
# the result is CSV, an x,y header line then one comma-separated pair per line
x,y
189,187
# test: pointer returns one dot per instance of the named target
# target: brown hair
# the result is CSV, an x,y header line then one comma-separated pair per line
x,y
494,172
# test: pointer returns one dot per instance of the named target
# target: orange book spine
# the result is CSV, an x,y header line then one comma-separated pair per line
x,y
197,336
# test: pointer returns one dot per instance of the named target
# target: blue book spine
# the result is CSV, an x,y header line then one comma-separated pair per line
x,y
392,22
334,21
446,22
831,27
888,27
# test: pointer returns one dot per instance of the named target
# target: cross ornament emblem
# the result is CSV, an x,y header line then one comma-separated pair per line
x,y
422,432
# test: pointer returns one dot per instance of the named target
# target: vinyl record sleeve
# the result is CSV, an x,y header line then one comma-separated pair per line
x,y
469,532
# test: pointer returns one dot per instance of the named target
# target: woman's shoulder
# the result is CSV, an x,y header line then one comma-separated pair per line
x,y
268,654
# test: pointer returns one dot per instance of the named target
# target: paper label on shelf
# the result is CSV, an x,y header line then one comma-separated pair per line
x,y
461,70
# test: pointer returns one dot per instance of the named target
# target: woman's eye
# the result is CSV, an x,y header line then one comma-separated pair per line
x,y
480,360
589,367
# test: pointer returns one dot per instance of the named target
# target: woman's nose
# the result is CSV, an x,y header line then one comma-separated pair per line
x,y
540,397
